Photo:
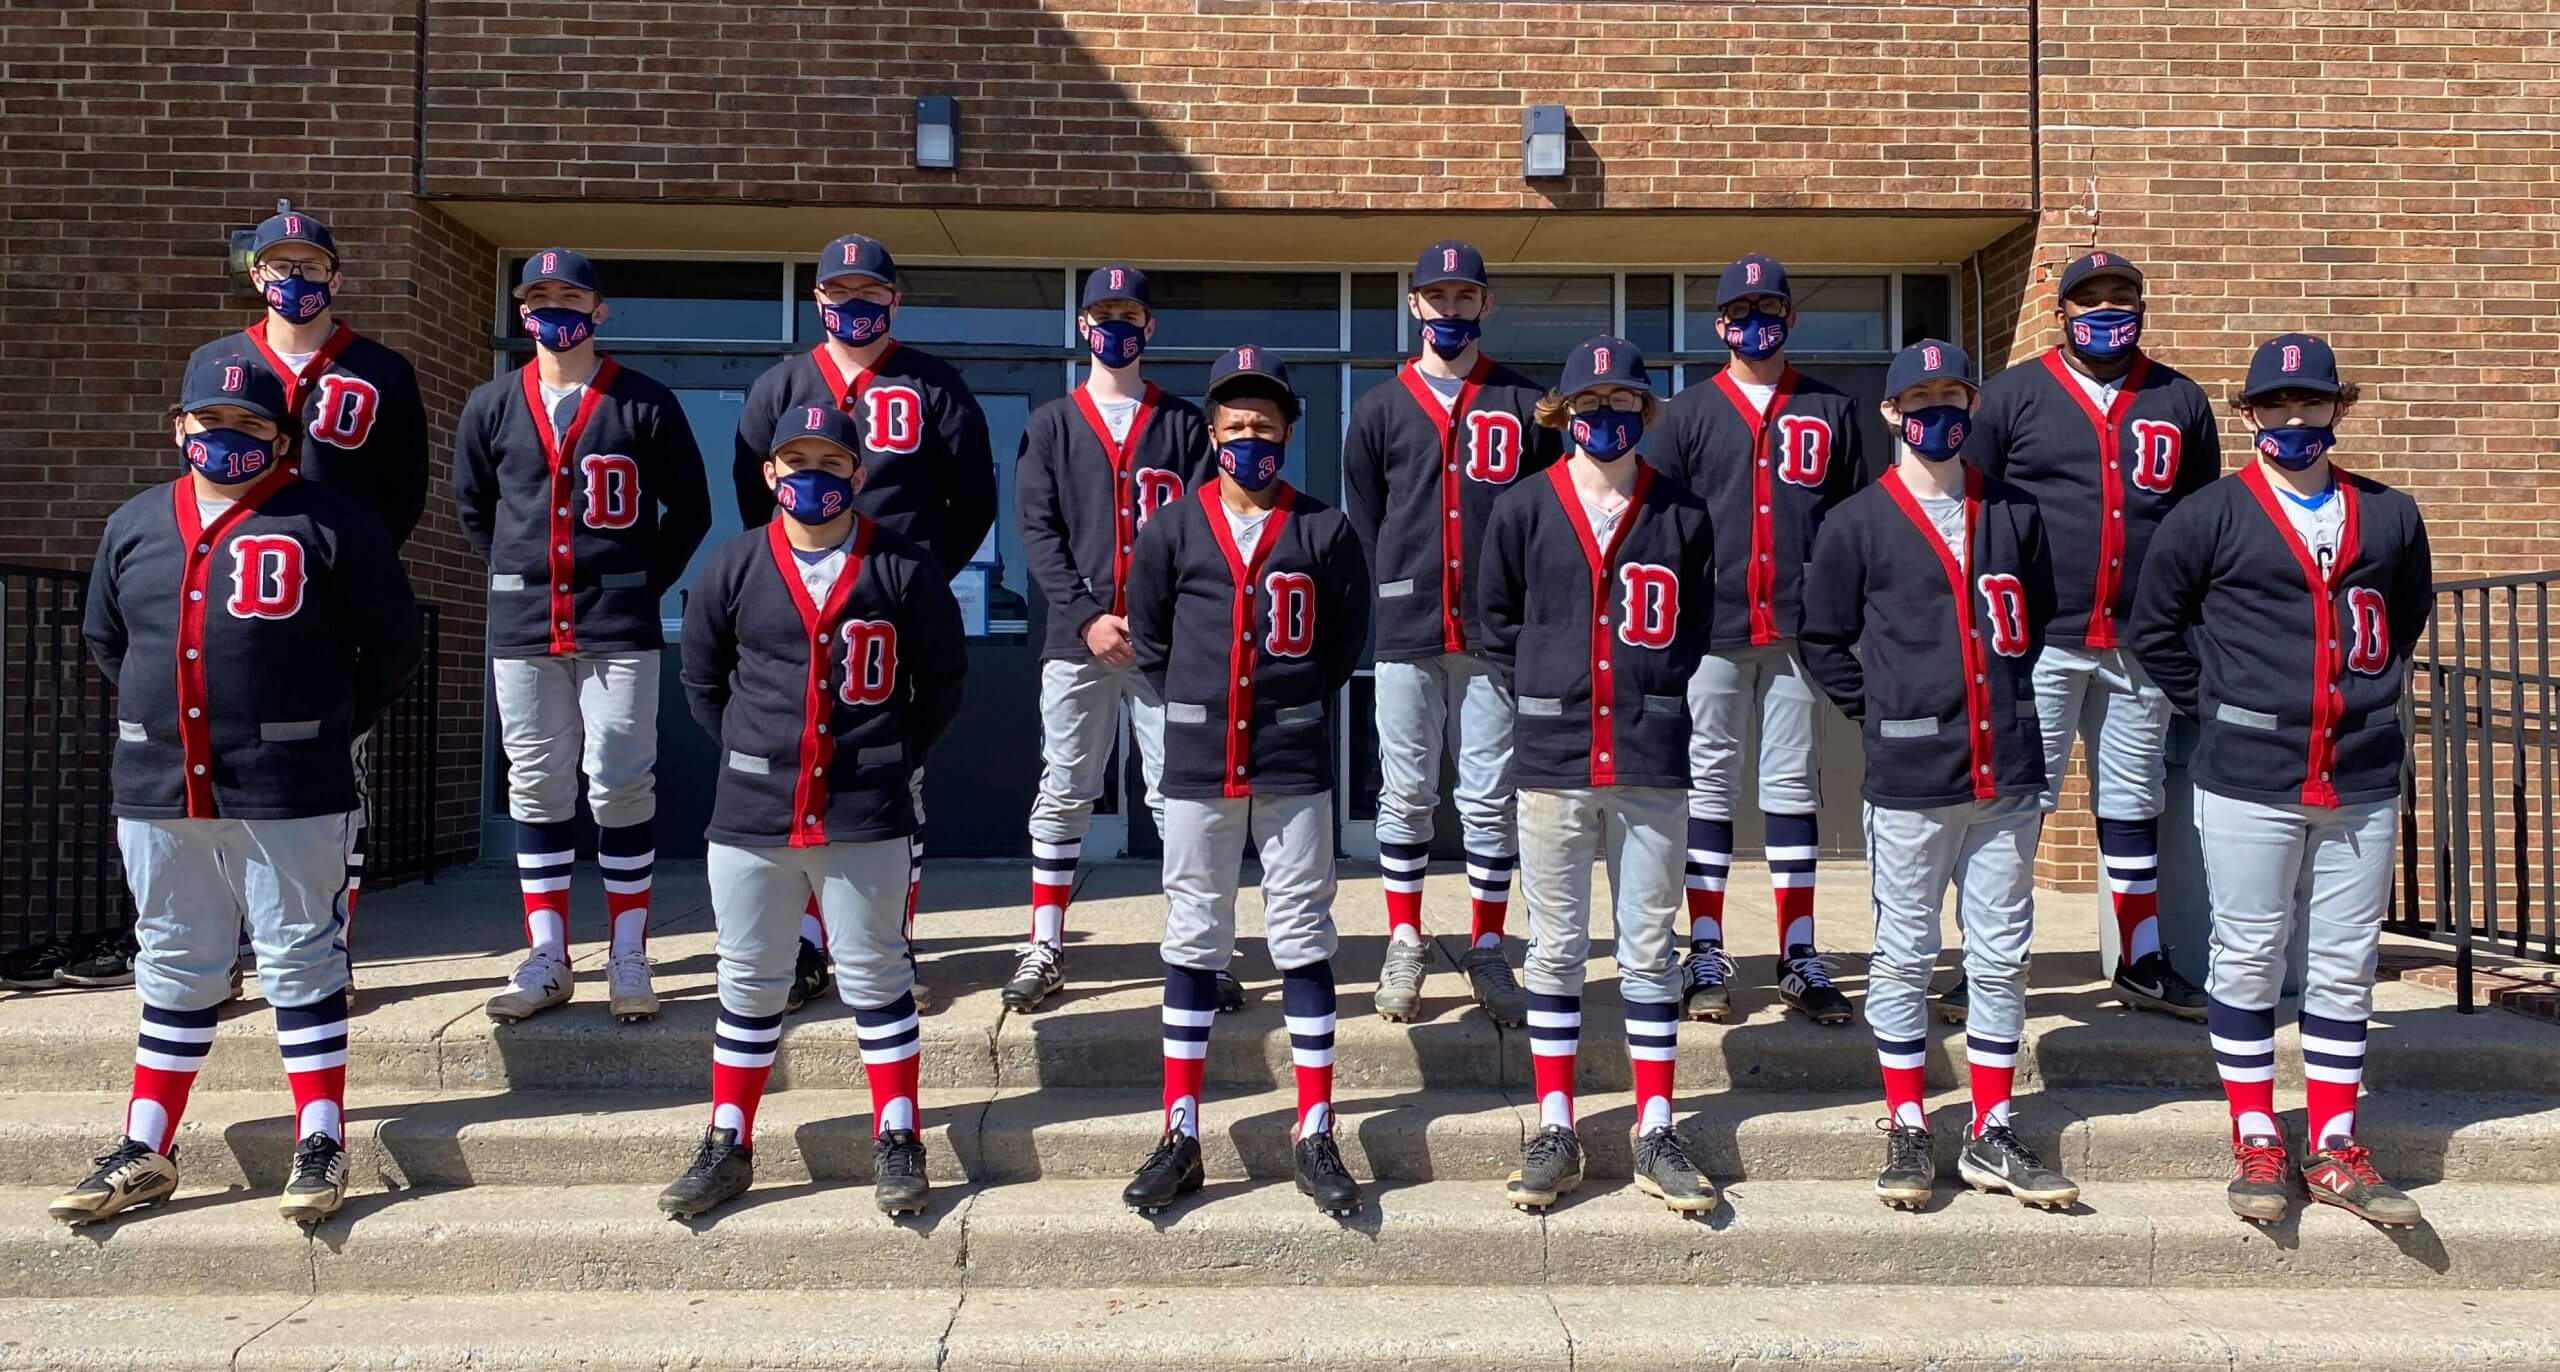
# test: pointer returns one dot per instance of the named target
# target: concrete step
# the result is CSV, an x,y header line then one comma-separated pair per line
x,y
243,1139
1068,1235
1869,1328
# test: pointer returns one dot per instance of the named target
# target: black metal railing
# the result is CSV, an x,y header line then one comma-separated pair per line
x,y
60,876
2476,820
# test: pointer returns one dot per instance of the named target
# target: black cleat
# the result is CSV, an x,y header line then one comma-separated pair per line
x,y
106,960
2152,984
1322,1175
1489,979
1706,978
1664,1172
1908,1175
1998,1160
318,1185
898,1184
811,979
1230,993
1037,975
1953,1004
1550,1167
37,967
1805,985
1169,1173
2261,1187
2340,1173
722,1168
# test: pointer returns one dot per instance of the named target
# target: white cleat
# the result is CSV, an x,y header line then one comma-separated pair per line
x,y
630,996
542,981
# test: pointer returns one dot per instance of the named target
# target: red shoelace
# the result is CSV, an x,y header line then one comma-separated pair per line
x,y
2259,1164
2353,1159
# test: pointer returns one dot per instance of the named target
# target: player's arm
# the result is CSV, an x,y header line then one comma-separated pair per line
x,y
1987,447
1502,587
1698,591
1364,483
475,473
709,648
377,610
1342,616
2413,590
755,438
102,617
1040,522
1666,446
1835,610
1150,596
935,650
2035,573
2203,439
1848,469
403,478
2166,604
684,494
969,480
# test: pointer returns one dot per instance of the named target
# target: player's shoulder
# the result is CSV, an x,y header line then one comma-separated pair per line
x,y
2000,494
375,360
724,563
2160,376
1170,405
895,551
787,374
1522,498
1509,378
1871,503
494,393
2378,499
236,342
1376,402
153,507
2015,382
1810,387
912,363
1664,493
632,384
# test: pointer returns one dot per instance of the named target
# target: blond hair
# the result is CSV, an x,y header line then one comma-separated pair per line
x,y
1555,411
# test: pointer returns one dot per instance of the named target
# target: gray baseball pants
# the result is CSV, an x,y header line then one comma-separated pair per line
x,y
1639,832
1763,688
592,711
1451,702
1204,843
1988,849
759,894
198,882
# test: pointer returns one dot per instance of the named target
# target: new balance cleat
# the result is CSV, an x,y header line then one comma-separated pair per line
x,y
1495,988
898,1184
1909,1175
1664,1172
1399,995
1706,979
2261,1187
318,1185
721,1171
1169,1173
1998,1160
540,982
2340,1173
2150,983
128,1175
1805,985
630,995
1323,1177
811,978
1550,1167
1037,975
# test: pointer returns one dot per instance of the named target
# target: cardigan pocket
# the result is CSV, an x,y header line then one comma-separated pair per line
x,y
1926,727
2246,719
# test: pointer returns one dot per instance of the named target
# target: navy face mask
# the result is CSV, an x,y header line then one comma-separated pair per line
x,y
813,496
1608,434
229,457
297,299
1757,334
2296,446
1936,431
560,328
1253,462
1115,342
1450,337
856,321
2104,335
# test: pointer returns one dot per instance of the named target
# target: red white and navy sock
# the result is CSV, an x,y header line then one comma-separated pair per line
x,y
1053,883
545,856
2130,850
2244,1053
1555,1037
1906,1073
1488,897
1710,862
915,878
628,854
1400,869
1992,1065
742,1052
813,930
355,875
1794,844
313,1041
892,1056
1307,1000
2332,1072
1190,1007
167,1054
1653,1050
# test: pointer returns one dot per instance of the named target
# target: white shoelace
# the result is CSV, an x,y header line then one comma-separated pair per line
x,y
1037,957
624,969
537,972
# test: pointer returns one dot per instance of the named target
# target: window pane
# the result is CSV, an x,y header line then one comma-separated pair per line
x,y
1833,314
1649,315
961,305
1314,461
1228,309
1537,319
680,300
1928,309
1374,309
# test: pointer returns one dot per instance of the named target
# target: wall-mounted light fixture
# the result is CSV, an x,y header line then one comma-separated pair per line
x,y
236,252
937,133
1542,141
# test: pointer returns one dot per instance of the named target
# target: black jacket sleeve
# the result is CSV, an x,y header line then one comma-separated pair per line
x,y
746,459
684,495
969,489
102,617
1040,521
1364,481
1344,613
2035,569
936,651
2413,589
710,647
1502,586
2202,465
1987,447
1151,596
1697,593
475,471
404,475
1666,447
2166,602
381,613
1835,609
1848,470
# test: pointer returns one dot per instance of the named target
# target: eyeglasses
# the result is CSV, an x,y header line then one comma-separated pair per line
x,y
1625,402
308,271
1739,310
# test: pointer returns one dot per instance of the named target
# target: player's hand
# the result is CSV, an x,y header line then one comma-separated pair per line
x,y
1108,638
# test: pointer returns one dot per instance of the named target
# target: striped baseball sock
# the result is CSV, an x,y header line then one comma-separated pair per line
x,y
2332,1070
813,930
1710,861
1555,1036
355,870
1053,883
1906,1071
1190,1006
1653,1050
167,1054
1794,842
915,878
1489,896
892,1057
2130,849
1992,1064
742,1051
1400,867
1306,998
2244,1052
628,854
313,1040
545,855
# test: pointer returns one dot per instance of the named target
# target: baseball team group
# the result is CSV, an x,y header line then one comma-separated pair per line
x,y
1594,604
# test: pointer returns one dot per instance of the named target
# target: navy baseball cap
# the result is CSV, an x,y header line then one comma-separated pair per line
x,y
1253,370
233,379
292,226
558,264
1930,359
1118,281
2091,266
1752,274
1604,361
857,255
2292,362
816,421
1448,260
